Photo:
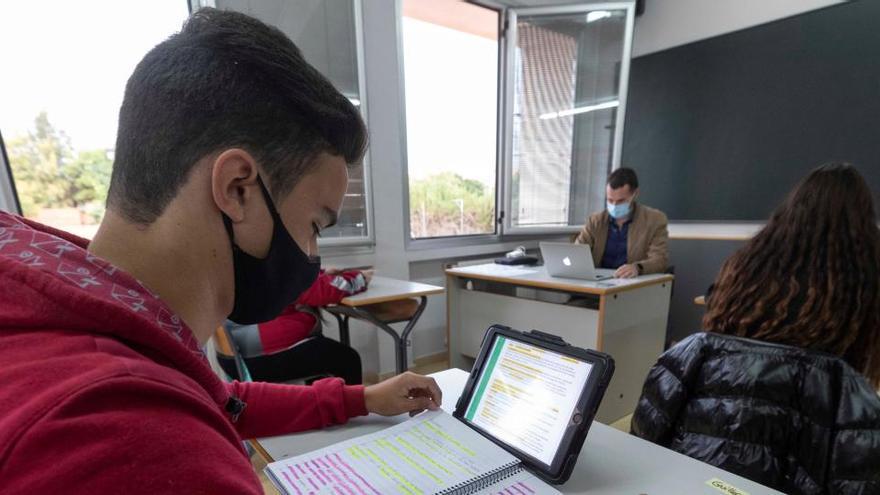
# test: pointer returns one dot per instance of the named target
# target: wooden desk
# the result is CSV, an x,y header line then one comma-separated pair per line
x,y
383,290
624,318
611,462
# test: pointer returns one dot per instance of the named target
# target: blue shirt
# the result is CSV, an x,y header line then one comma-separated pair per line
x,y
615,247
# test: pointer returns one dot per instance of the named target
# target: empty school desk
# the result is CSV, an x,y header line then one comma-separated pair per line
x,y
624,318
611,462
366,306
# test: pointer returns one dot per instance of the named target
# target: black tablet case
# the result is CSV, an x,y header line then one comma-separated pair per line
x,y
587,405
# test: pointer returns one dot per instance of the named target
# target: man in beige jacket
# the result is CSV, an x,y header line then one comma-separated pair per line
x,y
629,237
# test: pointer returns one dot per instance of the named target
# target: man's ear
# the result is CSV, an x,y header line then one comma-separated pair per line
x,y
232,173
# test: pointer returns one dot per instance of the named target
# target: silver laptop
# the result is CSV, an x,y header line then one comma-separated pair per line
x,y
563,259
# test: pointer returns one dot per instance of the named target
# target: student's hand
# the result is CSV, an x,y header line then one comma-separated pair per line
x,y
407,392
368,275
627,271
332,270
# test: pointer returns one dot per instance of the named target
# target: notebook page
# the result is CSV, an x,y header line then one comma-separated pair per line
x,y
521,483
426,454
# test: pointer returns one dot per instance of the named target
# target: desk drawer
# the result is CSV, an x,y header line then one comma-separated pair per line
x,y
480,310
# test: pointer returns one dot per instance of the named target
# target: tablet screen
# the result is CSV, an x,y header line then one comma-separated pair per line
x,y
525,396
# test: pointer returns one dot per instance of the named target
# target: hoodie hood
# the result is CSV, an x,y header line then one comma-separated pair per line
x,y
49,280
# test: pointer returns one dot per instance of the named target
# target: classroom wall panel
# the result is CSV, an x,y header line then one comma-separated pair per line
x,y
723,128
697,263
669,23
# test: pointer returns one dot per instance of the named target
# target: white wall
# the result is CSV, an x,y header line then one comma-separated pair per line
x,y
669,23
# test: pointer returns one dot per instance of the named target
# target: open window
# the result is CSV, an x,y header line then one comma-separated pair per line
x,y
565,97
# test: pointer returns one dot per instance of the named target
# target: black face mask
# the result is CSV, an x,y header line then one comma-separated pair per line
x,y
264,287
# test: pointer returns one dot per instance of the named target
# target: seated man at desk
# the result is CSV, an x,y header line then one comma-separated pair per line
x,y
293,345
628,237
232,155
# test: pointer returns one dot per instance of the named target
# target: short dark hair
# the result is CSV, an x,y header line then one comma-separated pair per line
x,y
225,80
623,177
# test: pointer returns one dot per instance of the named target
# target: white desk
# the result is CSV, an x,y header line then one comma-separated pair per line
x,y
611,462
625,318
383,290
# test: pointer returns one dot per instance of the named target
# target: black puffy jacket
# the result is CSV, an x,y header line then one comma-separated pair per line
x,y
799,421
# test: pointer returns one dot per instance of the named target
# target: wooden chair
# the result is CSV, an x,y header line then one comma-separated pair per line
x,y
394,311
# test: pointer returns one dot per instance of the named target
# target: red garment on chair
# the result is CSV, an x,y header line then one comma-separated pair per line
x,y
294,325
105,390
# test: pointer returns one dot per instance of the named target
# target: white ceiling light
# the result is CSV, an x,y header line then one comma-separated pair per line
x,y
597,15
577,110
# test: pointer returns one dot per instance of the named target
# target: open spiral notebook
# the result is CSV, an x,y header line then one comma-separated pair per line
x,y
432,453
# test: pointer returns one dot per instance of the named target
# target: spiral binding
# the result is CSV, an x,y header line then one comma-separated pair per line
x,y
474,485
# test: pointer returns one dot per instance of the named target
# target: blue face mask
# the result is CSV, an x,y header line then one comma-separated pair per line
x,y
621,210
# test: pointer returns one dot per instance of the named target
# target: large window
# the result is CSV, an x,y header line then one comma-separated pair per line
x,y
563,72
450,61
65,65
566,75
64,78
328,33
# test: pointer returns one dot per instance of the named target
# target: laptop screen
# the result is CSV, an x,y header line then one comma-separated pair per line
x,y
525,396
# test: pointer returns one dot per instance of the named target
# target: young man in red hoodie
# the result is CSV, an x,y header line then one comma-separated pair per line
x,y
231,157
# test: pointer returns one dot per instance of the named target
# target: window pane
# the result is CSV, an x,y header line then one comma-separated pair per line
x,y
567,74
451,83
325,32
64,77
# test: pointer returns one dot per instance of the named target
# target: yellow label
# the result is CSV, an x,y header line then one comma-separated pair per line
x,y
725,487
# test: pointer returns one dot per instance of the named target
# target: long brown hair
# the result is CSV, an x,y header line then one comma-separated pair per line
x,y
810,278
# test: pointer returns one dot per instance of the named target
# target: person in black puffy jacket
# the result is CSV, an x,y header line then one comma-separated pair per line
x,y
783,387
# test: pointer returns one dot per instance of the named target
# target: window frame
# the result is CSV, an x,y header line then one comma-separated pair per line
x,y
504,229
510,42
439,242
341,245
370,238
8,193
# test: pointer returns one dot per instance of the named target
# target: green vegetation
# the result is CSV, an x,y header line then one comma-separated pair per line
x,y
447,204
49,173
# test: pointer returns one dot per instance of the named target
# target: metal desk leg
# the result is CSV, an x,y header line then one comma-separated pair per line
x,y
343,313
402,362
344,335
399,343
342,321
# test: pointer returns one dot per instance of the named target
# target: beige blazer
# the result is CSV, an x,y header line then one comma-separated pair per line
x,y
646,240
